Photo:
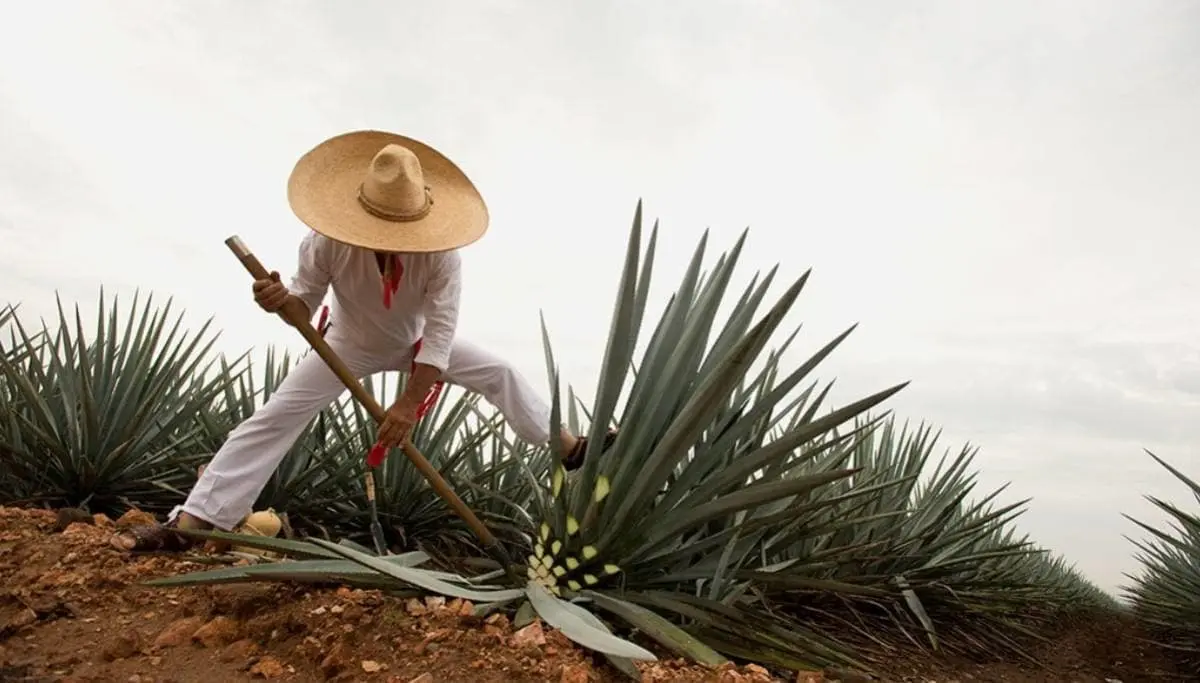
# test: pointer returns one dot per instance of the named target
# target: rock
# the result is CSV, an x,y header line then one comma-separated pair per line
x,y
530,636
573,673
134,518
434,602
728,673
371,666
125,645
810,677
68,516
78,528
102,520
415,607
758,673
178,632
219,632
430,641
335,662
239,651
268,667
22,619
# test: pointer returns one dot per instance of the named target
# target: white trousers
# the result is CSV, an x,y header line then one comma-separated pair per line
x,y
241,468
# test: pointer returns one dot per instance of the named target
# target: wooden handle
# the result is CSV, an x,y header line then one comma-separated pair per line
x,y
296,316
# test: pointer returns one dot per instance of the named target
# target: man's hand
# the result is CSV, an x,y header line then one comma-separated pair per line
x,y
399,422
270,294
403,414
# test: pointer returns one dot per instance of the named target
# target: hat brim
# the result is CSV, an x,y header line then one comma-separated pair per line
x,y
323,192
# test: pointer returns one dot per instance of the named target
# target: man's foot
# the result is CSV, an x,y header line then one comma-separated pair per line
x,y
575,456
152,538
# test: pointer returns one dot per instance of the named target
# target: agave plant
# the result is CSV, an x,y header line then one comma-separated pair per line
x,y
916,562
11,488
109,419
1166,593
658,531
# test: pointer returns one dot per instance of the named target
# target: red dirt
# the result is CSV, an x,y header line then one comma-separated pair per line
x,y
71,610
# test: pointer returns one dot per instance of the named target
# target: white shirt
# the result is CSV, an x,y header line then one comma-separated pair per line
x,y
425,307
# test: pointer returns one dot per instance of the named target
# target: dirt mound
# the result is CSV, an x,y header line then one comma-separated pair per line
x,y
72,609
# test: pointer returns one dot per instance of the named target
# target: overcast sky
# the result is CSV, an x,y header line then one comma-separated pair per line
x,y
1001,193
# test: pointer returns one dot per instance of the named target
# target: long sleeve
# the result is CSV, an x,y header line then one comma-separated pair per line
x,y
313,272
441,311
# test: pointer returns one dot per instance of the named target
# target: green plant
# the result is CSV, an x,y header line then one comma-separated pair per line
x,y
102,421
1166,594
11,487
918,562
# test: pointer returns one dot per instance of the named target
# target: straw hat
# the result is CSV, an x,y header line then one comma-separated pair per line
x,y
386,192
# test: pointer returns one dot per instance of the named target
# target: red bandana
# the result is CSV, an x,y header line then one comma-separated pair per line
x,y
390,278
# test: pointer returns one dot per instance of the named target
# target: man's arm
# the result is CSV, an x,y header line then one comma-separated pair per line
x,y
313,272
442,296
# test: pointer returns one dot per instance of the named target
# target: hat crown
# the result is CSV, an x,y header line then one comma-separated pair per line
x,y
394,185
387,192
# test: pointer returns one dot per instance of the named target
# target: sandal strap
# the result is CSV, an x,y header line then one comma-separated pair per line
x,y
159,537
574,459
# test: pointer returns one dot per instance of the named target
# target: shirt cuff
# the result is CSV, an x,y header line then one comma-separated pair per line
x,y
433,355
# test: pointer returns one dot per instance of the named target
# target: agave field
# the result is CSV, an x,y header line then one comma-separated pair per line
x,y
737,516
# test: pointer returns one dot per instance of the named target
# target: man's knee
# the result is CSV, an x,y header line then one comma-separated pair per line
x,y
498,378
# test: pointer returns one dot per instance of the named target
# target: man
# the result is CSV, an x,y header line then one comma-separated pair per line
x,y
388,215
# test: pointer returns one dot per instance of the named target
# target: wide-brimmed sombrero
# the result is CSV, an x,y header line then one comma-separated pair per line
x,y
386,192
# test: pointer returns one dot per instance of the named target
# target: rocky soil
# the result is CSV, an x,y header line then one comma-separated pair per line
x,y
72,610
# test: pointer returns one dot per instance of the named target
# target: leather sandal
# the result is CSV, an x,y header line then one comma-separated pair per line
x,y
574,459
156,538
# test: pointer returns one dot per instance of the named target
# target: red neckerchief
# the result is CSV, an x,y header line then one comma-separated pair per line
x,y
390,278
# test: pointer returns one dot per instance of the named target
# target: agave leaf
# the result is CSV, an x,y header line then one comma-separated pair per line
x,y
618,353
283,546
302,570
662,631
622,664
749,496
914,604
418,577
488,608
525,615
554,611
